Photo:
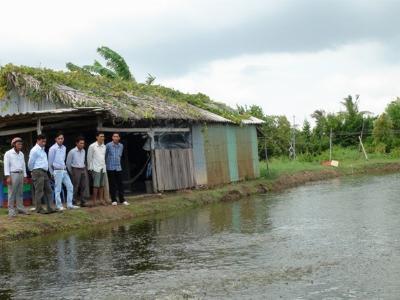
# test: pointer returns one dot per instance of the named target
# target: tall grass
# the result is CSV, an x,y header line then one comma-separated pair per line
x,y
347,157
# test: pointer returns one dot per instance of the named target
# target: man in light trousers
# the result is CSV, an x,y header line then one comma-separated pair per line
x,y
15,172
58,170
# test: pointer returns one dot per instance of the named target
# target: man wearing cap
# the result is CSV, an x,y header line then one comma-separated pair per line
x,y
39,166
58,171
15,172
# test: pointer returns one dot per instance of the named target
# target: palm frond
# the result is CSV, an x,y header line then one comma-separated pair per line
x,y
116,62
99,69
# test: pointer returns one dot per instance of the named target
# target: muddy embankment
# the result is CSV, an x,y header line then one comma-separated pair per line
x,y
39,225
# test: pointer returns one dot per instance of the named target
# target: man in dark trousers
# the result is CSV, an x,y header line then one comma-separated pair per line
x,y
39,166
114,151
77,168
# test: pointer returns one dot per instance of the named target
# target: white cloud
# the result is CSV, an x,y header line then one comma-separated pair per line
x,y
236,51
297,84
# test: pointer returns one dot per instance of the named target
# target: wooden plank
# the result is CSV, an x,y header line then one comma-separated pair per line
x,y
174,168
158,169
16,131
141,130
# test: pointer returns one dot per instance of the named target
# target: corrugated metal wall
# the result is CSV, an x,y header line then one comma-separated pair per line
x,y
216,153
245,152
224,153
18,105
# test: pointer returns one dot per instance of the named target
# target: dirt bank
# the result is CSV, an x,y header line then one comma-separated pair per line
x,y
37,225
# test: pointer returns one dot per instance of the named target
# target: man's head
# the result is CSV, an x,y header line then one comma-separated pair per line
x,y
80,142
41,140
59,138
116,138
100,137
17,143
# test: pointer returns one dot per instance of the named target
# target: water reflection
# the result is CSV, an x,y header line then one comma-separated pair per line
x,y
320,240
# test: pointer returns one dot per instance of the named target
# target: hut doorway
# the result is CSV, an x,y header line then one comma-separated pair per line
x,y
136,163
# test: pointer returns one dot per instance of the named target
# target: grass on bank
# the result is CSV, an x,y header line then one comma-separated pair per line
x,y
349,159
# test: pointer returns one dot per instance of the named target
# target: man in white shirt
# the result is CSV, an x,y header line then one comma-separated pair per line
x,y
15,172
96,165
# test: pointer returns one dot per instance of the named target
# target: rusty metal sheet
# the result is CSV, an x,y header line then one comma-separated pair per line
x,y
245,152
216,153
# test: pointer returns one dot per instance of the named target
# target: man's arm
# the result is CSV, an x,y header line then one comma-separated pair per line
x,y
51,159
90,158
6,165
69,161
32,158
23,157
107,153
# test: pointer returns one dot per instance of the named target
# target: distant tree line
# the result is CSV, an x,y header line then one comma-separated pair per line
x,y
379,133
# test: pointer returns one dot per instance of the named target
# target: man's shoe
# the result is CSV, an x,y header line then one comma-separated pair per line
x,y
12,214
32,209
125,203
114,203
73,207
60,209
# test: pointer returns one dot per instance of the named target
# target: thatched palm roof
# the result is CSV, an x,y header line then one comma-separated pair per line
x,y
122,99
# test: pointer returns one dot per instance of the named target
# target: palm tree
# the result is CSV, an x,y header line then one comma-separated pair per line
x,y
150,79
116,66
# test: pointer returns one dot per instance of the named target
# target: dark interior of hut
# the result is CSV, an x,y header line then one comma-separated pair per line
x,y
135,161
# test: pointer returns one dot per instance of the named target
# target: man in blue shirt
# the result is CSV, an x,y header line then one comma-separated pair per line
x,y
41,182
58,171
114,151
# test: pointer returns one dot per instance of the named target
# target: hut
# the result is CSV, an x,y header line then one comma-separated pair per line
x,y
172,140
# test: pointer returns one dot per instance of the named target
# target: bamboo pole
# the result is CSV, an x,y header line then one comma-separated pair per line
x,y
362,147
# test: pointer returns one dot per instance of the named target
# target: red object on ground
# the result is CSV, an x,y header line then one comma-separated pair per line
x,y
27,202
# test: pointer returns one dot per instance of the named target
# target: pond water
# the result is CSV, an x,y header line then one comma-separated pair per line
x,y
338,239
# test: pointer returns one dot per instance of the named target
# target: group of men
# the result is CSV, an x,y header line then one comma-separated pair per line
x,y
101,160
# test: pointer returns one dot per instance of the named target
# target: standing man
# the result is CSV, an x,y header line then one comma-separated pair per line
x,y
114,151
15,172
77,168
39,166
58,171
97,166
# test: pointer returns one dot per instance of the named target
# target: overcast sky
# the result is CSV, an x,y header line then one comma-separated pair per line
x,y
288,56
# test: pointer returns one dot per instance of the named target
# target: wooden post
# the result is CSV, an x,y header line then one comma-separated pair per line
x,y
153,162
99,123
266,153
330,146
362,147
39,126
